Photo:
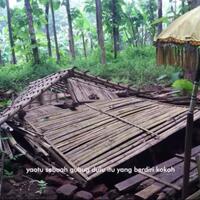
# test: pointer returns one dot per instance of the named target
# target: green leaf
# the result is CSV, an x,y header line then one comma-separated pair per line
x,y
8,173
160,20
43,2
183,85
2,3
56,4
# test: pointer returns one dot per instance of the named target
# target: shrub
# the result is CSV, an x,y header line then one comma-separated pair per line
x,y
135,66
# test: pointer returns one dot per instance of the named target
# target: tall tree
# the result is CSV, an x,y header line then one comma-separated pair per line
x,y
100,30
47,29
71,36
12,44
115,27
160,27
82,26
84,44
183,6
54,31
148,12
1,60
32,31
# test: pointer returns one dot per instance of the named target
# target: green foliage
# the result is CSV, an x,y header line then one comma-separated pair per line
x,y
16,77
15,157
135,19
8,174
183,85
149,14
4,138
160,20
4,103
42,186
108,16
2,3
90,6
134,65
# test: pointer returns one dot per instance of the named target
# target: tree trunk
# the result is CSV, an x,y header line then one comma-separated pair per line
x,y
54,32
100,33
84,44
32,32
1,60
26,57
71,35
133,33
91,44
115,29
160,26
47,29
142,38
12,44
183,6
175,7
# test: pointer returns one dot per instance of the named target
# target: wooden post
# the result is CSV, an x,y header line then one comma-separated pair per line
x,y
1,170
189,133
198,165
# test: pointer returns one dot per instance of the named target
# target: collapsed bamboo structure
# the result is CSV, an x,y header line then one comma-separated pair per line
x,y
75,121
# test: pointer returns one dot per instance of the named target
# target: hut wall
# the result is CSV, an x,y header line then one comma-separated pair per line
x,y
160,55
190,62
185,56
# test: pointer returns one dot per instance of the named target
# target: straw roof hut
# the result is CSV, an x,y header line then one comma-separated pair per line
x,y
177,44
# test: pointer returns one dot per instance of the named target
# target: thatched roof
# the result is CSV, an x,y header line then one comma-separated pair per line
x,y
185,29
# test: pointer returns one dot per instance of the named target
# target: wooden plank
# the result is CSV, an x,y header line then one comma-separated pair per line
x,y
79,175
194,196
134,152
129,136
166,183
123,120
131,182
168,193
156,187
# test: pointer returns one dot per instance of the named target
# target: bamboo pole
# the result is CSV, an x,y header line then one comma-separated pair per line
x,y
189,132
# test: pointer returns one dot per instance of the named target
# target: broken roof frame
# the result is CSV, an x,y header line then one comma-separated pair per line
x,y
36,88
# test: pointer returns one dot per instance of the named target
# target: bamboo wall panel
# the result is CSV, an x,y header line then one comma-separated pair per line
x,y
185,56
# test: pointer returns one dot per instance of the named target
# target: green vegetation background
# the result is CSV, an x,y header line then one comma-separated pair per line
x,y
136,66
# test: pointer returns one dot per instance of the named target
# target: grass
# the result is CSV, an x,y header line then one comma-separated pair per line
x,y
136,66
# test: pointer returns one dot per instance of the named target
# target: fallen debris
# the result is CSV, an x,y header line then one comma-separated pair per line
x,y
99,190
66,191
158,183
83,195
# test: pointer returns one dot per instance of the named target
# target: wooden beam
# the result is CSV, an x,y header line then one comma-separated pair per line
x,y
195,196
160,180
